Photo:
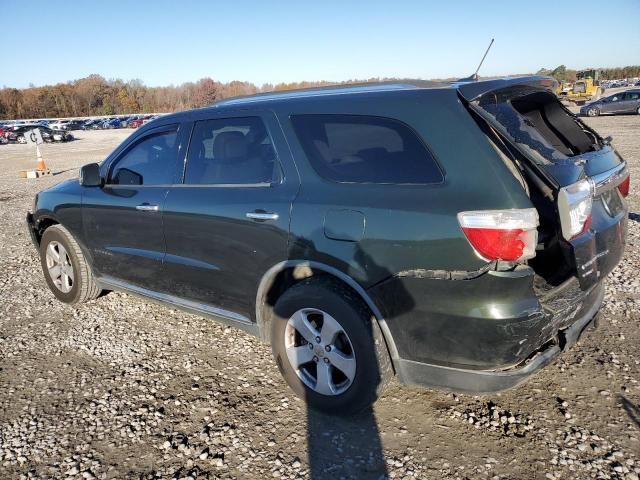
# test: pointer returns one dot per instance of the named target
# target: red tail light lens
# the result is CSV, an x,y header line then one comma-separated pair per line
x,y
508,235
624,186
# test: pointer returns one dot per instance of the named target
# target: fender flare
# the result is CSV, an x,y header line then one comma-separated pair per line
x,y
268,278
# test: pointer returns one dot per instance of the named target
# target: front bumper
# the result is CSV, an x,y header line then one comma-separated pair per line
x,y
32,230
478,381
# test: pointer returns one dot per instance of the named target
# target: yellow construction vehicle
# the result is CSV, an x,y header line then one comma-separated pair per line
x,y
585,88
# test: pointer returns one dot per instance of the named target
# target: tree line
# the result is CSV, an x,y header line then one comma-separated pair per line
x,y
564,74
95,95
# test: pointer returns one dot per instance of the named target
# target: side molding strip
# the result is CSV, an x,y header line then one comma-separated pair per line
x,y
232,318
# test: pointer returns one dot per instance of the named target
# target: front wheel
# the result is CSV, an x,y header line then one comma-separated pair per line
x,y
65,268
593,112
638,111
328,347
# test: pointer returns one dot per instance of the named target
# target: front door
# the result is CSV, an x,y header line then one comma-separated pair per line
x,y
614,104
122,220
229,221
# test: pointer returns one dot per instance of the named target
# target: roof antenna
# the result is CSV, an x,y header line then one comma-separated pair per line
x,y
474,77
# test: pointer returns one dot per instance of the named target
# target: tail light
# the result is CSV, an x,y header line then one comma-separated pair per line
x,y
624,186
574,205
509,235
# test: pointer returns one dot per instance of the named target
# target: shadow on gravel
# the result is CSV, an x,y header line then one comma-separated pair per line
x,y
635,217
350,447
59,172
345,448
632,410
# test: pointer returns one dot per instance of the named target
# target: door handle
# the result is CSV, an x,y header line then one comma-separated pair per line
x,y
145,207
263,216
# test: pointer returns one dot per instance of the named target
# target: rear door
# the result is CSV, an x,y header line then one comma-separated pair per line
x,y
631,102
228,223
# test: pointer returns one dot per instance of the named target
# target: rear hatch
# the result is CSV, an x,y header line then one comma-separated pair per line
x,y
577,181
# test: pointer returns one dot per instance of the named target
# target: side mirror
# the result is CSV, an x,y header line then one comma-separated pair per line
x,y
90,175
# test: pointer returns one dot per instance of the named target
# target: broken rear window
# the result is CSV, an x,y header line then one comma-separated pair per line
x,y
536,120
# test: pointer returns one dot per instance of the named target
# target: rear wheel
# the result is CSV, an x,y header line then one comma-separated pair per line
x,y
328,347
593,112
65,268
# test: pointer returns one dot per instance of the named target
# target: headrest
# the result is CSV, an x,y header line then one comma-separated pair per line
x,y
229,146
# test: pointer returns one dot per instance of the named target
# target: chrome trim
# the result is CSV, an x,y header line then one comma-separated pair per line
x,y
263,216
611,178
115,284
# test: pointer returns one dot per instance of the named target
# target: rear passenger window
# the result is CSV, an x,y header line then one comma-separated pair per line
x,y
231,151
365,149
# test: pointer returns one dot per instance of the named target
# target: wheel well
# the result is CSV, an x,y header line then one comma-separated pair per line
x,y
275,284
42,226
281,282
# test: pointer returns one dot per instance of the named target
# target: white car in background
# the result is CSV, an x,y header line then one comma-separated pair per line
x,y
58,125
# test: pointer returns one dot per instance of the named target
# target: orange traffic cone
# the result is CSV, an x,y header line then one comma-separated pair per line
x,y
41,166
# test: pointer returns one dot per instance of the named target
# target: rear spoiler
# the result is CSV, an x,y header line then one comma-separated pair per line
x,y
473,90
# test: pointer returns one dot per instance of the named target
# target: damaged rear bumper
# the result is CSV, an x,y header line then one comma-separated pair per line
x,y
481,334
458,379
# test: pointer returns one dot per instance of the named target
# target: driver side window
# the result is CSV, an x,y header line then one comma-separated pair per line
x,y
151,161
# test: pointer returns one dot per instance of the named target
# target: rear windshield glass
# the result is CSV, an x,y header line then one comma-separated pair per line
x,y
365,149
537,121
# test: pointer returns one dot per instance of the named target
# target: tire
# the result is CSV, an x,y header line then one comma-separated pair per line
x,y
354,359
76,283
638,110
593,112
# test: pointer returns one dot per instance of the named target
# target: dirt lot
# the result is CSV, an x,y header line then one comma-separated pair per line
x,y
119,388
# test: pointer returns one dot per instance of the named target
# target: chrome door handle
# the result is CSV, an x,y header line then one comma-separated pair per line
x,y
145,207
263,216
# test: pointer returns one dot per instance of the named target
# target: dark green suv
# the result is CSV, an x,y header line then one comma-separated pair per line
x,y
455,235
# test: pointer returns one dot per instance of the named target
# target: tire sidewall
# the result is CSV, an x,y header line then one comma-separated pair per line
x,y
50,235
355,319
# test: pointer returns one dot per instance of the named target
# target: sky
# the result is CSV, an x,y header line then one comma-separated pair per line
x,y
170,42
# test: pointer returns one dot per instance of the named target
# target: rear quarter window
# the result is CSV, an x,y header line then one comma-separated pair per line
x,y
365,149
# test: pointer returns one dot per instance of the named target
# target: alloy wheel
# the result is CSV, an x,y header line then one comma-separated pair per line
x,y
59,266
592,112
320,351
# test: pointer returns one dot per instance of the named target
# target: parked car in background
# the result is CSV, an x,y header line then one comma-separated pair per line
x,y
59,124
136,123
620,103
51,135
466,248
16,135
94,124
112,123
74,125
149,119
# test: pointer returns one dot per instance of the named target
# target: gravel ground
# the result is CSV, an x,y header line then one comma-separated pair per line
x,y
118,388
